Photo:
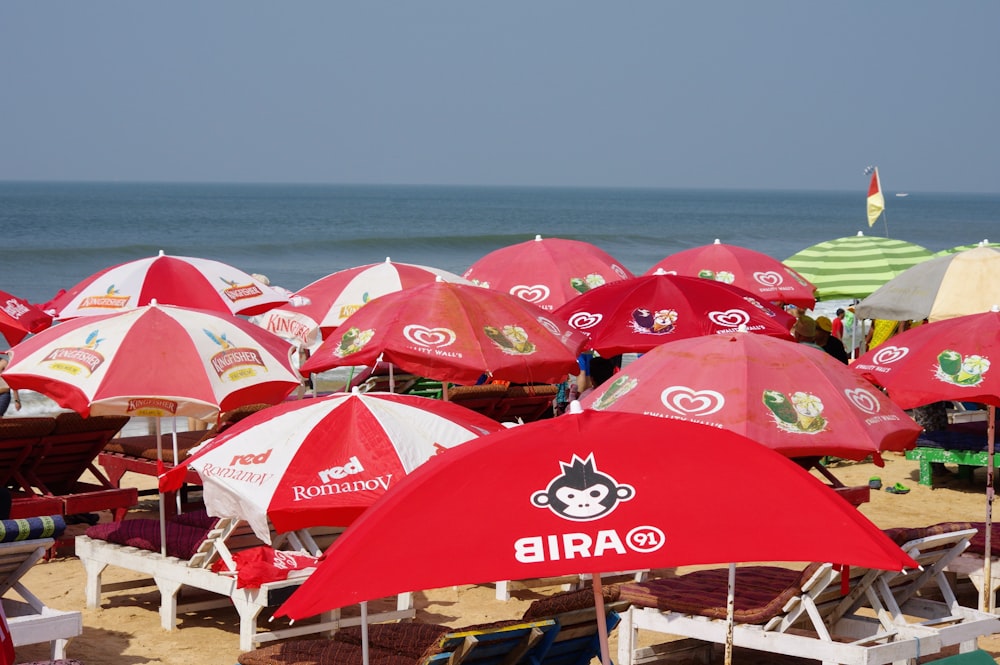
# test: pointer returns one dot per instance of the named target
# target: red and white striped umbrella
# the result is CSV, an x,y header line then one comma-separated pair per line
x,y
169,280
156,360
327,302
547,272
324,461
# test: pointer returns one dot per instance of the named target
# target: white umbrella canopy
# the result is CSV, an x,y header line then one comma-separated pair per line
x,y
184,281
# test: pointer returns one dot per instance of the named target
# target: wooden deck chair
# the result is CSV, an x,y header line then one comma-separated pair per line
x,y
18,437
22,543
379,378
578,640
906,593
795,613
500,643
58,461
140,454
484,399
567,582
227,536
971,563
526,403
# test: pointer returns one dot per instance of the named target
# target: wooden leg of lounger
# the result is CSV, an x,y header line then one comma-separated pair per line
x,y
626,638
57,649
404,601
503,592
92,586
168,602
248,611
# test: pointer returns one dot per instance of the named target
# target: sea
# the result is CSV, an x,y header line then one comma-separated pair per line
x,y
55,234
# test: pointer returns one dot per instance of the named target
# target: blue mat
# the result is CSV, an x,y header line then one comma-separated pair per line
x,y
952,440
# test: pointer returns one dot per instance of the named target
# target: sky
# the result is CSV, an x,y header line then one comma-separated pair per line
x,y
647,93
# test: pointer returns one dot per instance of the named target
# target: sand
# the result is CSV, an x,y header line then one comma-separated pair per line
x,y
125,630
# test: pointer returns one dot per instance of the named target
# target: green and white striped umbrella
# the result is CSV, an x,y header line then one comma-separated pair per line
x,y
854,266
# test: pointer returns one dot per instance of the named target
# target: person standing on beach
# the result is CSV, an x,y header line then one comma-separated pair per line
x,y
6,394
826,340
837,325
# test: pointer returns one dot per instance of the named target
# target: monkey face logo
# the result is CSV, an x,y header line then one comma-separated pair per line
x,y
582,493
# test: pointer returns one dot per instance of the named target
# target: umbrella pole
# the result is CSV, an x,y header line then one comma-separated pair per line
x,y
602,621
163,507
730,612
177,461
364,632
991,428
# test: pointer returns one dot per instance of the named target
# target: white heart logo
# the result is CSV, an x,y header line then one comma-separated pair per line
x,y
731,318
429,337
889,354
863,399
688,402
536,293
584,320
550,325
769,278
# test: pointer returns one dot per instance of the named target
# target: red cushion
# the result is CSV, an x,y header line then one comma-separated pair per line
x,y
182,540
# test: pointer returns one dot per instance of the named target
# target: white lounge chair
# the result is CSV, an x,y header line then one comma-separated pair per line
x,y
905,592
31,621
228,536
879,618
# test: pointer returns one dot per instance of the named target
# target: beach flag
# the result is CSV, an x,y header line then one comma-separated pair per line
x,y
876,203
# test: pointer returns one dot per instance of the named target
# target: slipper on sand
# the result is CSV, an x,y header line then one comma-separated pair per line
x,y
898,488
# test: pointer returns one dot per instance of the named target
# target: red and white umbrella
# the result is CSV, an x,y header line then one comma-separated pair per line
x,y
764,276
324,461
169,280
639,314
156,360
18,318
547,272
327,302
457,333
793,398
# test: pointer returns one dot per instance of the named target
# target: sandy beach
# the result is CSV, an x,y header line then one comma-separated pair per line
x,y
125,630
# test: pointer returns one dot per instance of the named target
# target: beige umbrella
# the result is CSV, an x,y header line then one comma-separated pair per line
x,y
940,288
